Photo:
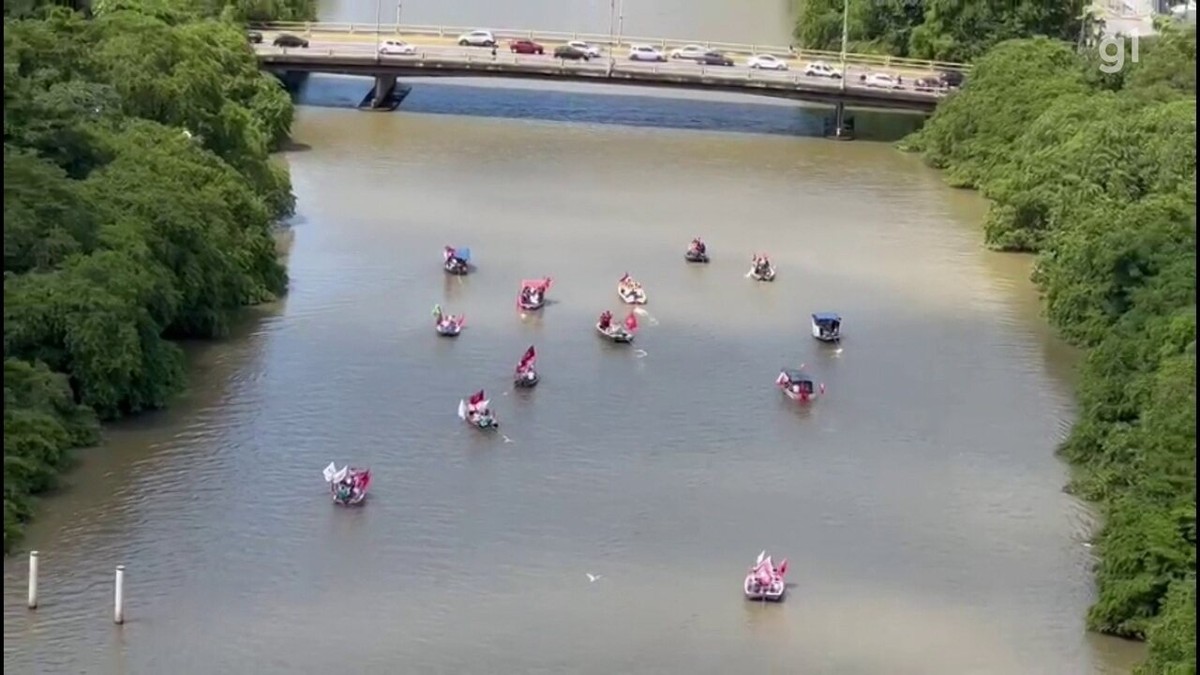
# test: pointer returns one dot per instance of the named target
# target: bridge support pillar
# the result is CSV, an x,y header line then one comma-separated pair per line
x,y
386,95
843,124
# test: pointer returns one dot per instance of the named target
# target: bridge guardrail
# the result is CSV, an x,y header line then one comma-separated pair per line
x,y
605,69
880,61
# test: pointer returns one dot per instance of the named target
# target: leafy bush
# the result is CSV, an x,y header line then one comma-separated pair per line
x,y
139,204
1098,176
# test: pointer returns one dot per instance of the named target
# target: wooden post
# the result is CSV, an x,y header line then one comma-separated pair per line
x,y
33,579
119,596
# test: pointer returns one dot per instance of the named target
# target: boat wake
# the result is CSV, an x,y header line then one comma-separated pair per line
x,y
506,438
649,317
641,353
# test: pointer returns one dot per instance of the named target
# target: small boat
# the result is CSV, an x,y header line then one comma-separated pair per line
x,y
456,261
475,411
525,374
532,295
761,269
696,252
630,291
347,485
827,326
616,332
798,385
765,581
447,325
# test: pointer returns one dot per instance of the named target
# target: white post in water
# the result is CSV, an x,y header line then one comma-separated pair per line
x,y
33,572
119,596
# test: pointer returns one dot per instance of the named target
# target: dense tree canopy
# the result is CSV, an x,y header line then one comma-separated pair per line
x,y
1097,174
139,206
940,30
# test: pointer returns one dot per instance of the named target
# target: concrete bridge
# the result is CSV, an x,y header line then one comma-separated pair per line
x,y
354,49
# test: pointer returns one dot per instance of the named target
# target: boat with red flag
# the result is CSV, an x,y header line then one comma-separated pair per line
x,y
697,251
617,332
477,412
798,385
347,485
447,325
456,261
525,374
765,581
532,295
631,291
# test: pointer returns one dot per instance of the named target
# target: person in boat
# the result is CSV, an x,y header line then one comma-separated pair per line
x,y
606,320
762,266
527,295
698,246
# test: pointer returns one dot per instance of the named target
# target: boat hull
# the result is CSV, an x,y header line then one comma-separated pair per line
x,y
615,334
353,501
526,380
769,276
694,257
456,267
773,592
485,423
451,330
531,306
632,298
825,333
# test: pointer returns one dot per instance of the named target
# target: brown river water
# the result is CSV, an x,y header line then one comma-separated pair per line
x,y
919,501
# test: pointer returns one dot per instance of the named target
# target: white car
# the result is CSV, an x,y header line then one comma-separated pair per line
x,y
477,38
881,81
822,69
592,51
397,48
766,62
645,53
691,52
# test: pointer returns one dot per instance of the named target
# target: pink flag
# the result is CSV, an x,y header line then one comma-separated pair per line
x,y
782,568
527,360
476,398
782,379
631,323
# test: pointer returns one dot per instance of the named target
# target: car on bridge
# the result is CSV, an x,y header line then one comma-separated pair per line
x,y
477,38
689,52
525,47
645,53
951,79
254,37
570,53
591,50
289,40
822,69
397,48
766,62
882,81
714,59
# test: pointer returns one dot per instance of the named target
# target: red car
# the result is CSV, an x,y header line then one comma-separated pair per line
x,y
525,47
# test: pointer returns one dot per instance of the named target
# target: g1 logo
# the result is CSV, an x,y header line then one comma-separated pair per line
x,y
1112,52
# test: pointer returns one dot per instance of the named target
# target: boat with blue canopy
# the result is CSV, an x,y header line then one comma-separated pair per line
x,y
827,326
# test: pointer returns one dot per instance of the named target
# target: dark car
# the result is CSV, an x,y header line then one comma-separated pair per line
x,y
254,37
570,53
288,40
525,47
952,79
714,59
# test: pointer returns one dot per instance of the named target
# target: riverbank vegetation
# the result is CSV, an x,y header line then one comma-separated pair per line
x,y
1096,173
939,30
139,207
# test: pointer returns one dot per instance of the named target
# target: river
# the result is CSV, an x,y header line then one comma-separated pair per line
x,y
919,502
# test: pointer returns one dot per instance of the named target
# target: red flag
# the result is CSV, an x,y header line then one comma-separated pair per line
x,y
527,360
631,323
782,568
476,398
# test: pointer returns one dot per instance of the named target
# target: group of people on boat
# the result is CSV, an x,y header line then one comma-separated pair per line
x,y
531,296
456,261
696,251
348,485
765,580
761,266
